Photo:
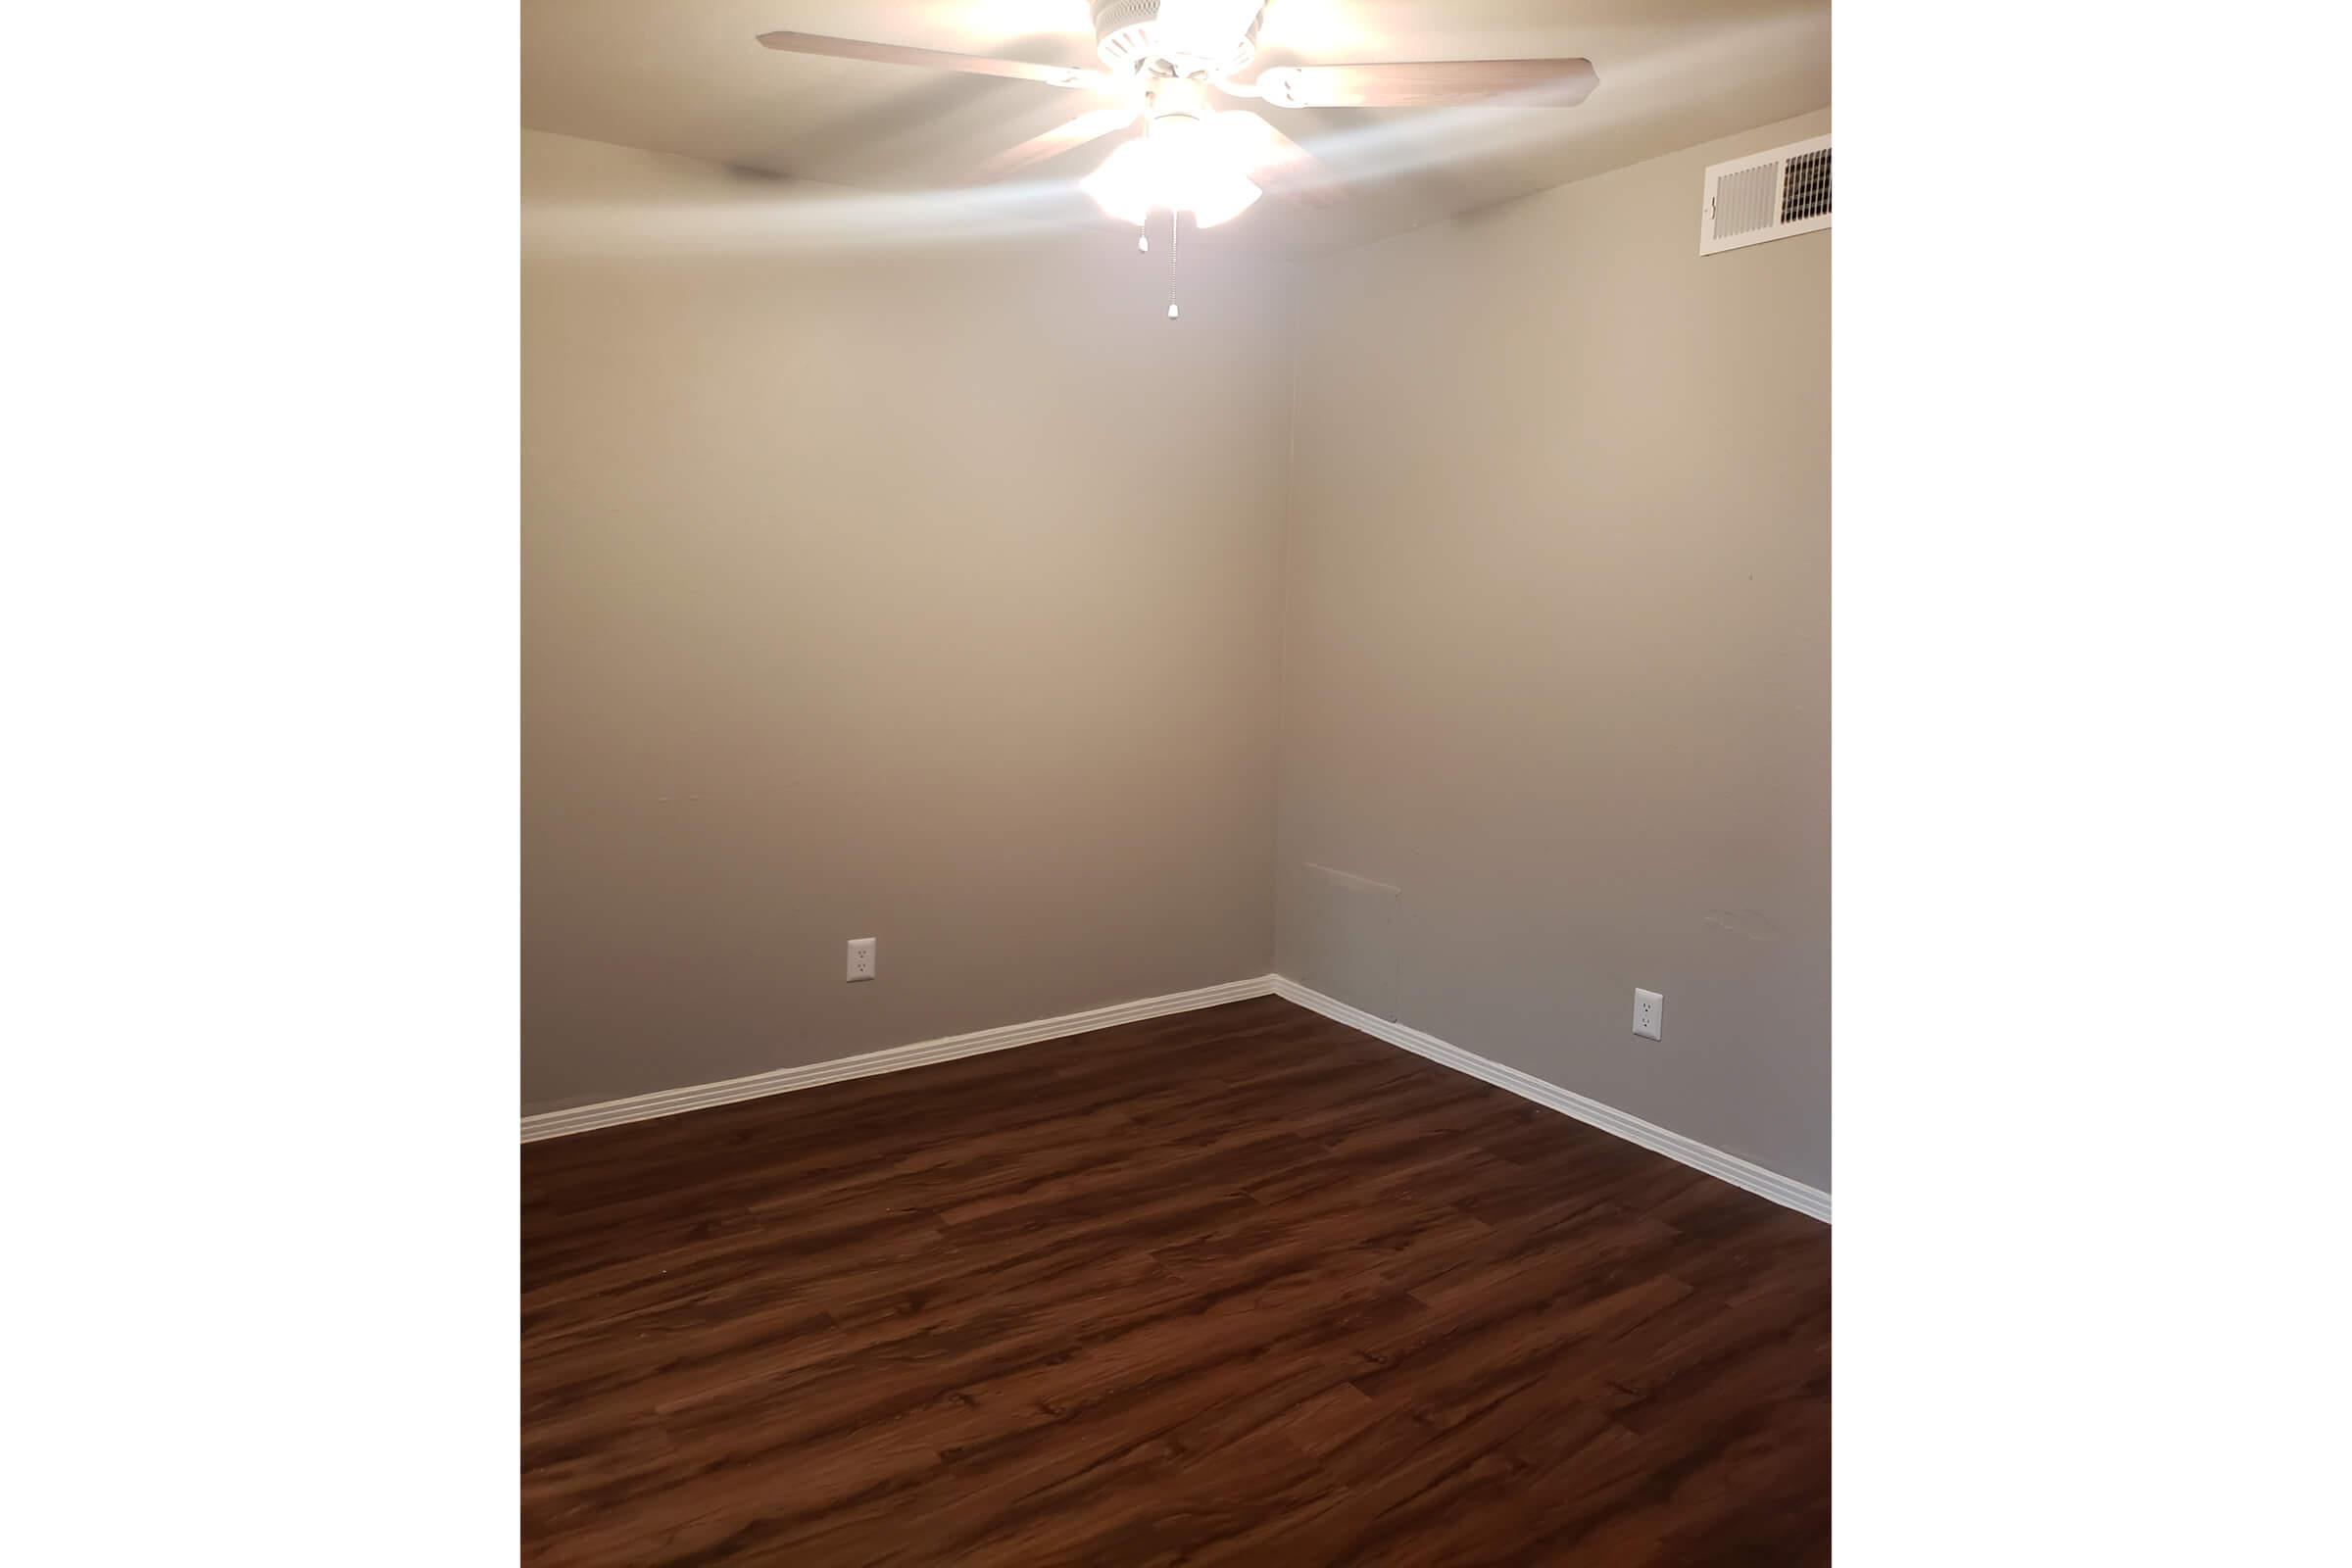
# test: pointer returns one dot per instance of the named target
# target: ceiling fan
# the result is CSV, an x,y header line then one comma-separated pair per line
x,y
1166,62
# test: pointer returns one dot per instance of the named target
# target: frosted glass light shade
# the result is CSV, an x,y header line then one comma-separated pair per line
x,y
1179,166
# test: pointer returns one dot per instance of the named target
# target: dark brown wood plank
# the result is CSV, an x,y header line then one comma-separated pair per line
x,y
1236,1286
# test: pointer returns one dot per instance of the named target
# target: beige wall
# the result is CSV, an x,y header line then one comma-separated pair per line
x,y
936,590
924,592
1556,662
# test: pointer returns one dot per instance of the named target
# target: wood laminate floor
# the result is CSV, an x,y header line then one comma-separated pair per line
x,y
1236,1286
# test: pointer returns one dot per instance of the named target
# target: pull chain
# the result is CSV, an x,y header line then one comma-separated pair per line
x,y
1173,217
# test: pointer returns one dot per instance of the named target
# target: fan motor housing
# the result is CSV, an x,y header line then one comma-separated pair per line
x,y
1127,36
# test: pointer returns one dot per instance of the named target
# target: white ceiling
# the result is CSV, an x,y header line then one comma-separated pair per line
x,y
686,76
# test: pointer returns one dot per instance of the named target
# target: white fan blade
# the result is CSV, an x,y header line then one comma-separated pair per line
x,y
1060,139
1541,83
1274,160
817,43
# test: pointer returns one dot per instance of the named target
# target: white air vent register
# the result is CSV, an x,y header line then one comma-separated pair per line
x,y
1767,196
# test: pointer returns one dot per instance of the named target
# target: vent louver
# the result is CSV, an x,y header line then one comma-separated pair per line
x,y
1768,195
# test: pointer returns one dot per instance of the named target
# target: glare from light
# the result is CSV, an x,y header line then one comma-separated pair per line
x,y
1206,29
1178,167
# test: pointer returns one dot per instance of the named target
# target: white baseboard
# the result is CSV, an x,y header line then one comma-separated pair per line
x,y
695,1097
1674,1145
1608,1118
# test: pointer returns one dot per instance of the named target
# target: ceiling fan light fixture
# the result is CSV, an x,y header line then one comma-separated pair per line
x,y
1226,195
1178,167
1125,184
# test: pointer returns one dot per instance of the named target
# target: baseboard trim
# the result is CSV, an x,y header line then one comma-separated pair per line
x,y
898,1058
1608,1118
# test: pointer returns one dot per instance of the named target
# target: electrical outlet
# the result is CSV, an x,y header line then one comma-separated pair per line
x,y
1649,1013
861,957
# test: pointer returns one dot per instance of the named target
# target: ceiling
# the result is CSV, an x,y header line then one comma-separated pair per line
x,y
686,76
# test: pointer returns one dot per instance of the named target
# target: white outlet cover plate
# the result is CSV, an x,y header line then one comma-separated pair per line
x,y
861,957
1649,1014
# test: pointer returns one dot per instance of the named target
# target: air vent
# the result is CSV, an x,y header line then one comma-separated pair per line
x,y
1767,196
